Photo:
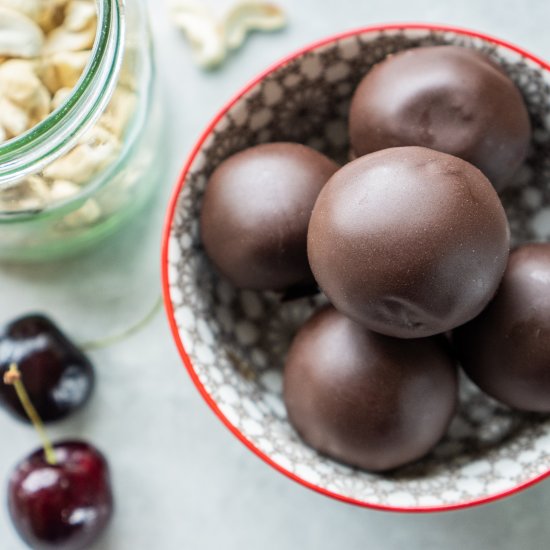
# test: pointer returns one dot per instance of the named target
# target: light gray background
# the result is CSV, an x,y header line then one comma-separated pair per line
x,y
182,480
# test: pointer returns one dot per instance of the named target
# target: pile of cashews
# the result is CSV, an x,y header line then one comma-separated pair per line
x,y
45,46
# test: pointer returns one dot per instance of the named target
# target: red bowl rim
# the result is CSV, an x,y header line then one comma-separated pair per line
x,y
165,279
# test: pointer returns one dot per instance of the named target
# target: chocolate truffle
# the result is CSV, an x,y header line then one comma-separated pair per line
x,y
256,212
447,98
408,241
365,399
506,350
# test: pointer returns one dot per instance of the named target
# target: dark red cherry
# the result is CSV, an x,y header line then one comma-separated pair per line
x,y
65,506
58,376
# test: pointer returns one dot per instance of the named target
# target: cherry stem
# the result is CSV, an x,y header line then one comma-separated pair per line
x,y
116,338
13,378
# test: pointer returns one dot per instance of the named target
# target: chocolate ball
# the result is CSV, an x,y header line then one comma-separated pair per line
x,y
408,241
256,212
365,399
506,350
447,98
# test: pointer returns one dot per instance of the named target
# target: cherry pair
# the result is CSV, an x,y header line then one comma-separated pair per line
x,y
60,496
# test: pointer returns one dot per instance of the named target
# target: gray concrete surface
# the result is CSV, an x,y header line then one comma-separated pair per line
x,y
182,481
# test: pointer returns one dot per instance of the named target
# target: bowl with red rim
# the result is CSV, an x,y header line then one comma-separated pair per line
x,y
233,343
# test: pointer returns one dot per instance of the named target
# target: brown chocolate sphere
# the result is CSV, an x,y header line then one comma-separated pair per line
x,y
447,98
256,212
408,241
365,399
506,350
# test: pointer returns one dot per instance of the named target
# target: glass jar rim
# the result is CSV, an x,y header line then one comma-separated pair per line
x,y
28,153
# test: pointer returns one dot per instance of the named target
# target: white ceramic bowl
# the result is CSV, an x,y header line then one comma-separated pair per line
x,y
233,343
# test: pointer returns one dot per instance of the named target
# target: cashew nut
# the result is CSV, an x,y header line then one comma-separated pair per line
x,y
77,32
30,8
203,31
20,83
13,118
59,98
213,38
63,69
61,190
80,15
97,149
87,214
51,13
25,100
41,107
19,35
38,187
249,16
30,194
119,111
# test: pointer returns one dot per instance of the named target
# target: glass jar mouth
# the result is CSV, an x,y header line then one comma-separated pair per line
x,y
28,153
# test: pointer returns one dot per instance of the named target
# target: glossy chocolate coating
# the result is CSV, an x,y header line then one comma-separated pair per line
x,y
365,399
447,98
256,212
408,241
506,350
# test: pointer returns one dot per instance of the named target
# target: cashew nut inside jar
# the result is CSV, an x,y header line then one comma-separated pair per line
x,y
79,124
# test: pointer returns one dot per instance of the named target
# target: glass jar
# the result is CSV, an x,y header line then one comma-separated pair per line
x,y
120,69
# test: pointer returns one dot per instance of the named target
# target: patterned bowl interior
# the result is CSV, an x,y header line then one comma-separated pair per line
x,y
236,341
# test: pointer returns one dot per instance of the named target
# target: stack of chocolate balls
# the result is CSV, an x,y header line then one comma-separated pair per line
x,y
410,243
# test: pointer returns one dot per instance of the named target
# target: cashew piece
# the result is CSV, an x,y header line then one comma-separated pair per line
x,y
249,16
30,8
63,69
24,91
80,15
77,32
202,30
60,97
19,35
13,118
62,190
19,82
119,111
94,152
51,14
87,214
